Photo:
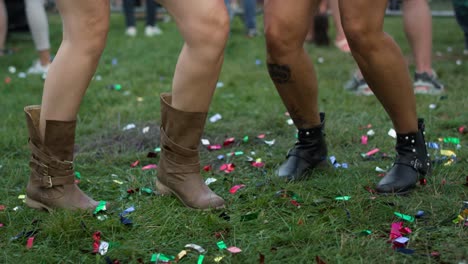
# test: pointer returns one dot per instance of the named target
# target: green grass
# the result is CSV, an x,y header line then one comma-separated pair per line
x,y
250,106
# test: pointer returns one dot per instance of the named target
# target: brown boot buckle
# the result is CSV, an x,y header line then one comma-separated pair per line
x,y
48,182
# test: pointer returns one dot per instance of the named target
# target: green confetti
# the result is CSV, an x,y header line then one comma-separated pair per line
x,y
77,175
101,207
245,139
343,198
408,218
296,198
147,190
118,87
238,153
221,245
161,257
157,150
366,232
452,140
200,259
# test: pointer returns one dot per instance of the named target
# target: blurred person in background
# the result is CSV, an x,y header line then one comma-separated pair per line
x,y
249,8
3,27
461,13
39,27
151,29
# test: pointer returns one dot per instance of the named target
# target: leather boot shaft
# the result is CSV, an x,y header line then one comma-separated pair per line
x,y
179,164
411,164
52,180
309,152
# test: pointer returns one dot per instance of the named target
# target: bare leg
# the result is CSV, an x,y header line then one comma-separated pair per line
x,y
340,38
380,60
3,26
39,25
85,25
418,28
205,34
289,65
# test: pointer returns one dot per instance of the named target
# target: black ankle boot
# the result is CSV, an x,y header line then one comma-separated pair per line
x,y
411,163
309,152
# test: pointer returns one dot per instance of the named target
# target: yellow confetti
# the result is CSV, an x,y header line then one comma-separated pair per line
x,y
218,259
446,152
21,196
118,182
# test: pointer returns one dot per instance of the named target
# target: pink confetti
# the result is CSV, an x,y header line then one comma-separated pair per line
x,y
214,147
30,242
234,250
149,167
1,224
135,163
2,207
372,152
261,136
395,230
364,139
207,168
227,167
235,188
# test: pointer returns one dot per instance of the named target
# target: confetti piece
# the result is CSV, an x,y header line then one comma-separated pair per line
x,y
149,167
245,139
366,232
2,207
236,188
447,153
200,259
372,152
433,145
227,168
118,182
234,250
196,247
103,248
215,118
258,163
228,141
181,254
401,240
129,126
221,245
452,140
371,133
101,207
147,190
295,203
97,241
462,130
135,163
404,217
12,69
21,196
419,214
30,242
364,140
157,150
343,198
392,133
210,181
218,259
261,136
219,84
145,130
77,175
207,168
205,142
270,142
214,147
378,169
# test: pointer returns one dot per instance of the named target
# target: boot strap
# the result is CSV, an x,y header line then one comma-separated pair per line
x,y
48,171
303,154
177,153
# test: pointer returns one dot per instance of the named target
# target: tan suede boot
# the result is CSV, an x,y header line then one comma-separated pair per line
x,y
52,181
179,165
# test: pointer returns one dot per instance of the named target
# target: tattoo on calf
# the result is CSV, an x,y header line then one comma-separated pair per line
x,y
279,73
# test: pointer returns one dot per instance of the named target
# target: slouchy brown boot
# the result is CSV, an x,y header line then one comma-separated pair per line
x,y
179,165
52,181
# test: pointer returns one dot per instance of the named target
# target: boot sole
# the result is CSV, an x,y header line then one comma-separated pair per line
x,y
37,205
164,190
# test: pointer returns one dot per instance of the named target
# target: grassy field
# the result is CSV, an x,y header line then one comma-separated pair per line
x,y
261,223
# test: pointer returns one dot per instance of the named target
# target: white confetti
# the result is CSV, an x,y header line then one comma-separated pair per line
x,y
129,126
145,130
392,133
215,118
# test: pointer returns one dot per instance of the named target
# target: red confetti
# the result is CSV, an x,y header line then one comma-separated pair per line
x,y
228,141
370,189
462,130
134,164
423,181
97,241
227,168
214,147
235,188
2,207
149,167
207,168
7,80
372,152
30,242
295,203
258,164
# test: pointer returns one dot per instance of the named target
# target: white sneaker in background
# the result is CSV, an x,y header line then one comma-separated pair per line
x,y
152,31
131,31
37,68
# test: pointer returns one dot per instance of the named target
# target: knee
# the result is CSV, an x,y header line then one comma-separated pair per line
x,y
87,36
361,36
210,32
97,34
279,40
